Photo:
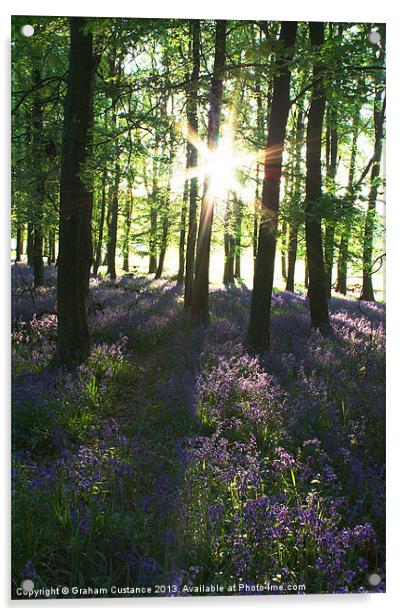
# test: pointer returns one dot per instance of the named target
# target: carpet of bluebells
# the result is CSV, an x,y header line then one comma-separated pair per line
x,y
176,457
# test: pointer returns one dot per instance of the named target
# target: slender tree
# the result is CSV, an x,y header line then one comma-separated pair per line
x,y
153,216
19,246
112,223
238,236
38,163
98,253
166,213
229,243
200,299
183,217
258,335
127,229
113,210
30,244
72,330
379,117
332,163
294,223
317,289
192,127
343,255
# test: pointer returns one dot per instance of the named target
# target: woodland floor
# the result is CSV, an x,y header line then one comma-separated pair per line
x,y
175,457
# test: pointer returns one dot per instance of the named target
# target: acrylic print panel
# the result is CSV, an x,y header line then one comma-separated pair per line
x,y
198,334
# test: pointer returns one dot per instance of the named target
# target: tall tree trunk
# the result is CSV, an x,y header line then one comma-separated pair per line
x,y
256,213
45,252
112,238
127,230
19,245
283,250
86,248
192,127
306,273
379,115
183,217
292,254
98,254
343,254
152,242
153,216
296,200
238,220
331,177
229,245
367,290
260,138
72,329
114,206
228,270
238,258
37,146
317,291
115,73
258,335
30,244
166,208
163,246
200,300
52,248
39,271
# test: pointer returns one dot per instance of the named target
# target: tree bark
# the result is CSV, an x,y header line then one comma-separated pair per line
x,y
238,221
306,273
163,246
256,216
292,254
153,217
98,254
331,174
258,335
114,209
283,250
200,301
260,138
192,127
37,146
166,208
72,332
343,255
112,239
127,230
183,217
30,244
52,247
317,291
229,245
296,199
19,246
379,115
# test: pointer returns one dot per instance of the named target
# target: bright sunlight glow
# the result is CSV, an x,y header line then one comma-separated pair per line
x,y
221,166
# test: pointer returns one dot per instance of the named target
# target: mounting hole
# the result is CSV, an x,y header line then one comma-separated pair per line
x,y
27,30
374,37
27,585
374,579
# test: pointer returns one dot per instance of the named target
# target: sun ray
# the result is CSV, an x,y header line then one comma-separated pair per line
x,y
223,165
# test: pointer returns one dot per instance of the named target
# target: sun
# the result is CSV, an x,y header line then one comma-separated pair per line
x,y
221,166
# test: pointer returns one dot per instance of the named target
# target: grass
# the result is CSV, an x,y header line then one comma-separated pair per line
x,y
174,457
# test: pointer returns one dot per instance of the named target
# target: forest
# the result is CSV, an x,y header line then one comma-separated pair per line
x,y
198,305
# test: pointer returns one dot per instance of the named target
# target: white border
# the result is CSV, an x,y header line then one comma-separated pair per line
x,y
340,10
